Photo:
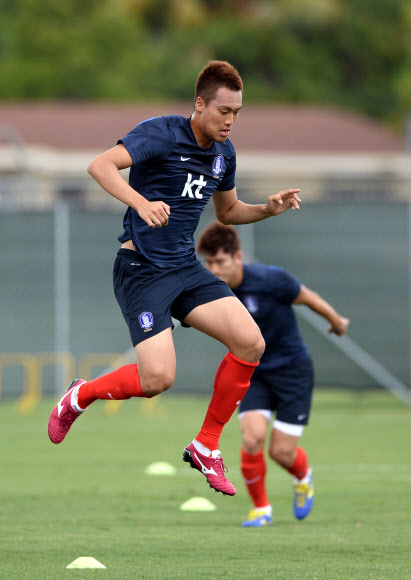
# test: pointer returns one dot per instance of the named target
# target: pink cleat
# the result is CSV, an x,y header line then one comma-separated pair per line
x,y
65,413
212,467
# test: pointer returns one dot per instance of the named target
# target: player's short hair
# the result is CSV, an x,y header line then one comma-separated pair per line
x,y
217,74
219,237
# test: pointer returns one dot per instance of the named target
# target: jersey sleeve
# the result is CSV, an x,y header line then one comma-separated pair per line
x,y
284,285
150,140
228,181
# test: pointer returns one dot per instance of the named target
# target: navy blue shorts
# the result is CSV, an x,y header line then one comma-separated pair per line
x,y
149,296
288,391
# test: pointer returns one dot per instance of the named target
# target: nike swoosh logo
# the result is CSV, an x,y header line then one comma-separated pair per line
x,y
185,158
59,408
204,469
250,481
301,417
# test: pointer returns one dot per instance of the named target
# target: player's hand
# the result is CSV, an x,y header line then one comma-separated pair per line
x,y
155,213
341,328
280,202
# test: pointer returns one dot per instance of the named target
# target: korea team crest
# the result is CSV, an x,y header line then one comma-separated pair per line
x,y
218,164
146,321
251,303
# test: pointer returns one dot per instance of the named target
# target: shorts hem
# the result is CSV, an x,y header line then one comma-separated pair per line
x,y
151,333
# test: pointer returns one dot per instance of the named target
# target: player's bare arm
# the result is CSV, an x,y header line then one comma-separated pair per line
x,y
338,324
105,169
230,210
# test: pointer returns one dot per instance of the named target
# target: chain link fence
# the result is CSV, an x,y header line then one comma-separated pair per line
x,y
59,317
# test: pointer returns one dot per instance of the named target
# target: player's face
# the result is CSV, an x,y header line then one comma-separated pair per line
x,y
227,267
214,120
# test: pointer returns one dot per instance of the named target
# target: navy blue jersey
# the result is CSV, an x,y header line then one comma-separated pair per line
x,y
268,292
169,166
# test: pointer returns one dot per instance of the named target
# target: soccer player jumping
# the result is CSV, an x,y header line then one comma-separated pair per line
x,y
176,165
283,381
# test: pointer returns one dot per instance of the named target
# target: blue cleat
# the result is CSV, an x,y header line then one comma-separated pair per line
x,y
258,518
303,496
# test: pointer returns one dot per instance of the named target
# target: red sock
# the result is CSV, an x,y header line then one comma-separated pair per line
x,y
230,385
123,383
253,468
300,466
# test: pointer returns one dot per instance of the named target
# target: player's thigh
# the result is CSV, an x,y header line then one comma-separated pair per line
x,y
228,321
145,295
254,425
156,360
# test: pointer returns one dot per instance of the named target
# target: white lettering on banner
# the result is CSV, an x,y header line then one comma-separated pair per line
x,y
190,184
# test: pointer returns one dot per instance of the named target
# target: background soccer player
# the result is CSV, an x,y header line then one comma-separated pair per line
x,y
283,381
176,165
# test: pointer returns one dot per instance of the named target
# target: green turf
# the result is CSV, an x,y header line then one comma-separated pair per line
x,y
89,496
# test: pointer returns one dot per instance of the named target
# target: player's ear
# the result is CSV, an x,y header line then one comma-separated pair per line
x,y
238,256
199,104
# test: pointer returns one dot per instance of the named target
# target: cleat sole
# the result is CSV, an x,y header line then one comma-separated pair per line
x,y
187,457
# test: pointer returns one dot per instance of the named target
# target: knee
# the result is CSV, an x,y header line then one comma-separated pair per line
x,y
257,347
157,383
252,348
260,347
282,455
253,443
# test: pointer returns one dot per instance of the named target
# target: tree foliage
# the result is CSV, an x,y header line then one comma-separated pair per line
x,y
354,54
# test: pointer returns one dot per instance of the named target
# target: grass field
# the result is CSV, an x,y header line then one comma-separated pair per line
x,y
89,496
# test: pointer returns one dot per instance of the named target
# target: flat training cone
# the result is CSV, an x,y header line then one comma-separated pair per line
x,y
85,562
198,504
160,468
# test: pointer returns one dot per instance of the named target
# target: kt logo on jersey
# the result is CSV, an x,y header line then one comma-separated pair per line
x,y
190,183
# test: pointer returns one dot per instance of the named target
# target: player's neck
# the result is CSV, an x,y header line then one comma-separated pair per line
x,y
237,278
202,140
